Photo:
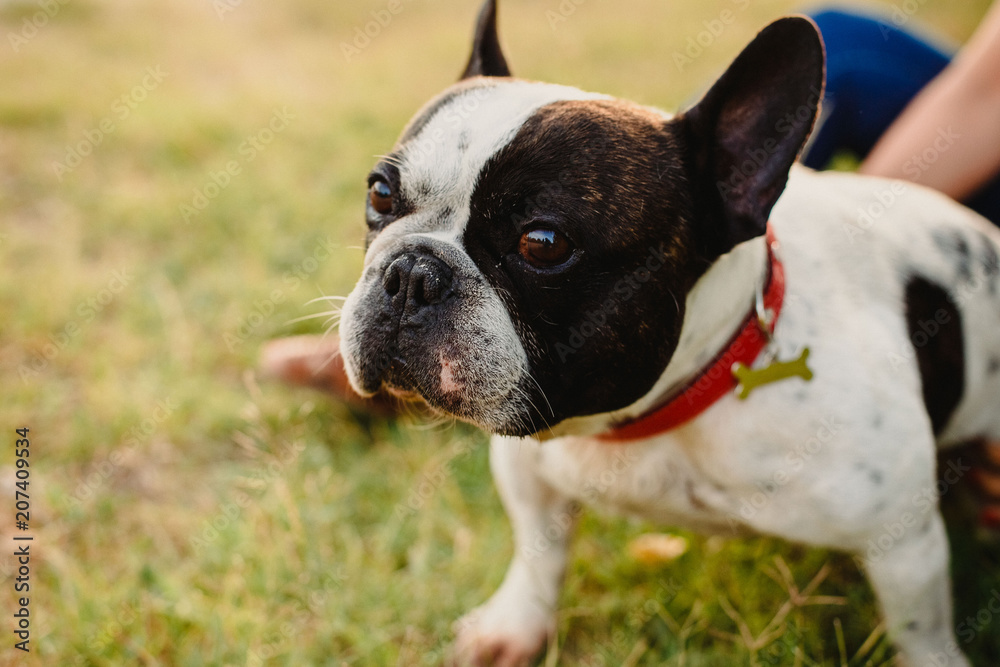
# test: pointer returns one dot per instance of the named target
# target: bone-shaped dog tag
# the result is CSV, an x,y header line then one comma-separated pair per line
x,y
750,378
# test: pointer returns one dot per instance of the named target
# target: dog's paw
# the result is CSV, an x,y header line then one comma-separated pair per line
x,y
496,635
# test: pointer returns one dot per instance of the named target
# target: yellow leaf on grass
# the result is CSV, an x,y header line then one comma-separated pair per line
x,y
653,548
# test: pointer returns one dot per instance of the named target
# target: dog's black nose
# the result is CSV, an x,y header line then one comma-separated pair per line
x,y
416,281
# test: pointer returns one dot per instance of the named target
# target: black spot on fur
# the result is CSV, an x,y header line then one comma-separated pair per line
x,y
935,328
990,264
993,366
876,477
954,245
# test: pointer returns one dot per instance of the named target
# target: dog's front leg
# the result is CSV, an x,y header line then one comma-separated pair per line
x,y
912,582
513,625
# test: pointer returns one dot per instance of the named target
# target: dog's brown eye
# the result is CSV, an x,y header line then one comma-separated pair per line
x,y
544,248
380,197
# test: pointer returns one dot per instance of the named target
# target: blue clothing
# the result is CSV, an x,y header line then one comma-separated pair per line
x,y
874,69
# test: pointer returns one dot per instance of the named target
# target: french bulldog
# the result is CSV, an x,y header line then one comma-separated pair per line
x,y
663,316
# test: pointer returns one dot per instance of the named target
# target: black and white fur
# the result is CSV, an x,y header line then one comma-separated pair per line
x,y
666,215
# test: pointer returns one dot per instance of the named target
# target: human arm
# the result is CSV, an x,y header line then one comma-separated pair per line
x,y
948,138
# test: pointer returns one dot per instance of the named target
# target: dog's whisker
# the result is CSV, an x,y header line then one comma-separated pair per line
x,y
332,312
326,335
313,316
303,318
329,360
677,304
441,422
395,160
542,394
326,298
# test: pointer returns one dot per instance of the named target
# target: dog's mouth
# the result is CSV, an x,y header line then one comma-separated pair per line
x,y
401,381
450,378
442,384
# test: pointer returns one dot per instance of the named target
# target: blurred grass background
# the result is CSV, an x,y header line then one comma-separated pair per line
x,y
185,513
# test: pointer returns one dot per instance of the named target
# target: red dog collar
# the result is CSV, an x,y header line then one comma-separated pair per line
x,y
717,379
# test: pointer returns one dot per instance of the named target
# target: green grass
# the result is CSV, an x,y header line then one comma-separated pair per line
x,y
185,513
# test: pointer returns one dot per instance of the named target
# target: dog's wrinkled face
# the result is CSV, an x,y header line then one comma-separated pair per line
x,y
500,250
530,246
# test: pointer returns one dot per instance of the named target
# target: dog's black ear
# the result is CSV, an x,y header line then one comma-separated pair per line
x,y
487,57
746,132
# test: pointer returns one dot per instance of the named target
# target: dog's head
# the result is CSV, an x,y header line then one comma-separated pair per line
x,y
530,246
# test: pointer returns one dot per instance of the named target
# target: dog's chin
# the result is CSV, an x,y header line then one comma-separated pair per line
x,y
404,394
500,416
507,413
